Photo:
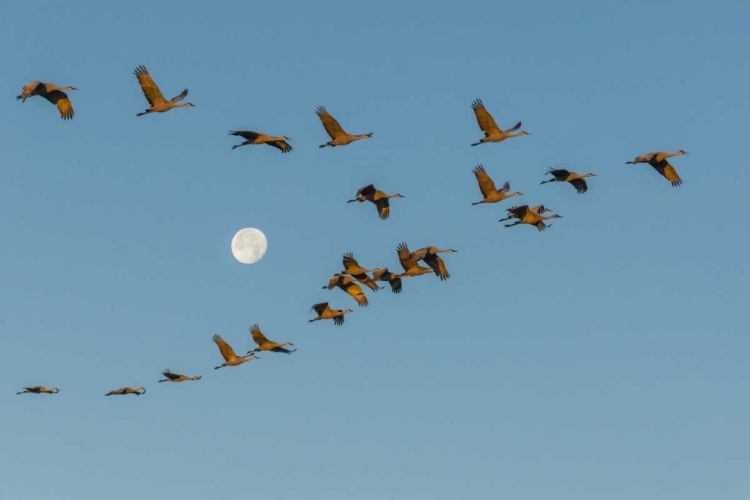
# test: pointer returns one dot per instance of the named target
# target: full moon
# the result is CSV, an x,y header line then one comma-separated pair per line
x,y
249,245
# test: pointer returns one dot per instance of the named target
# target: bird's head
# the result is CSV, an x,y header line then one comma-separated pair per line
x,y
70,88
54,390
189,105
198,377
681,152
347,311
399,195
286,138
523,132
517,193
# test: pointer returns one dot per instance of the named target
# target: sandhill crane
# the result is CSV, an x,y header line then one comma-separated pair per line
x,y
52,93
529,216
377,197
325,312
430,257
157,102
658,160
383,274
490,193
38,389
260,138
267,345
230,358
492,133
517,212
576,180
339,137
347,284
409,263
123,391
176,377
359,273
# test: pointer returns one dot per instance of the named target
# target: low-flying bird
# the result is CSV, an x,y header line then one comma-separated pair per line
x,y
157,102
52,93
38,389
325,312
531,216
347,284
576,180
339,137
658,160
383,274
254,138
377,197
487,187
492,133
409,263
359,273
176,377
430,257
267,345
127,390
230,358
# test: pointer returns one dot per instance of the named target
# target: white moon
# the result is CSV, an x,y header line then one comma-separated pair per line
x,y
249,245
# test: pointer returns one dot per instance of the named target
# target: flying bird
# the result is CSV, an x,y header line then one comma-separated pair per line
x,y
658,160
260,138
339,137
353,269
409,263
347,284
377,197
267,345
430,257
157,102
531,216
325,312
576,180
52,93
492,133
38,389
230,358
487,187
176,377
127,390
383,274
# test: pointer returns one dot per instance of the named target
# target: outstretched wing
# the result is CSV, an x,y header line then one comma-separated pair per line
x,y
149,88
518,212
436,263
580,185
383,207
404,256
486,184
61,100
258,336
170,375
225,349
180,96
339,320
329,123
284,146
395,285
539,209
320,307
247,134
355,291
668,171
559,173
366,191
484,118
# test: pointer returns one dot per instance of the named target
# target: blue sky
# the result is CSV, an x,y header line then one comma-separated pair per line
x,y
603,358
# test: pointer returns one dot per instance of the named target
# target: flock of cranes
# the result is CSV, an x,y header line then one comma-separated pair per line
x,y
352,275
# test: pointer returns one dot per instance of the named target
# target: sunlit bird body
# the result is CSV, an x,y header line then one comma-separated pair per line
x,y
487,187
52,93
339,137
38,389
383,274
531,216
347,284
409,263
157,102
658,160
492,133
359,273
267,345
325,312
124,391
255,138
430,257
176,377
230,358
576,180
377,197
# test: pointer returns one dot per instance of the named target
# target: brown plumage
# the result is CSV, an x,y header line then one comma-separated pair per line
x,y
377,197
531,216
339,137
38,389
267,345
576,180
157,102
353,269
430,257
487,187
325,312
409,263
492,133
230,358
176,377
52,93
123,391
383,274
255,138
347,284
658,160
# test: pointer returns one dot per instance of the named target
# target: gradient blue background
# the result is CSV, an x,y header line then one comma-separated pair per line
x,y
603,358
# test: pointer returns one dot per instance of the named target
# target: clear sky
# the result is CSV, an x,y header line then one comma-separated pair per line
x,y
603,358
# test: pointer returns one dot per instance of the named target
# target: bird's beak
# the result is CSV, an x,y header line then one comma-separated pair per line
x,y
75,88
